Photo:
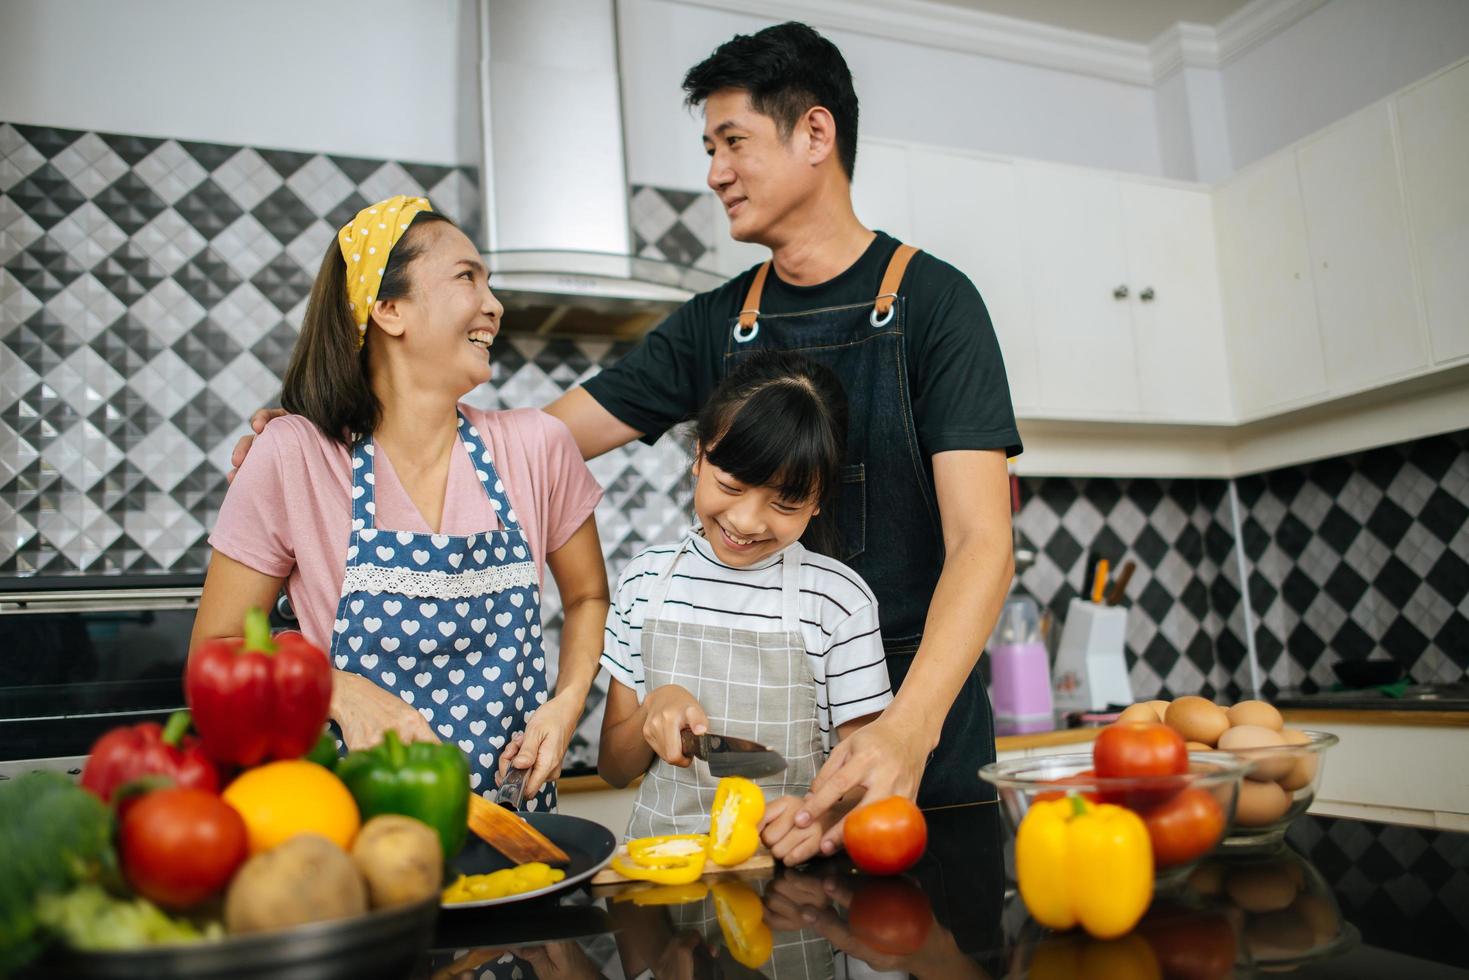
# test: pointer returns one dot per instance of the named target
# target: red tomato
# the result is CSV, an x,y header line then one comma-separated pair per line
x,y
1129,750
181,846
1191,945
892,915
1084,778
886,837
1185,827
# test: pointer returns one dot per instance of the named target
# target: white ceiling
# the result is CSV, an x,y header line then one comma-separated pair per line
x,y
1125,20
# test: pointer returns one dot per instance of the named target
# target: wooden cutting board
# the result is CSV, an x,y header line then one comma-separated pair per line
x,y
759,864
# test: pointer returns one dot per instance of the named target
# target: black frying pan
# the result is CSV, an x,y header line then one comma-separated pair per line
x,y
589,845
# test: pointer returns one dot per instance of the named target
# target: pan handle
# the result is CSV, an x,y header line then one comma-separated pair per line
x,y
511,793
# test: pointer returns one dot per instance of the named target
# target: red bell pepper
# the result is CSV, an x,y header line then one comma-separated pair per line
x,y
259,697
126,754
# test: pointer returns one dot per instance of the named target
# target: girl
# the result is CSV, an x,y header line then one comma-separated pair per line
x,y
412,531
738,628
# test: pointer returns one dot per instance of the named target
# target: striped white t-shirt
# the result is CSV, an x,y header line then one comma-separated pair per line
x,y
838,620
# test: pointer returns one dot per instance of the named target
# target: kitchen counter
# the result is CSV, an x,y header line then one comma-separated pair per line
x,y
1360,899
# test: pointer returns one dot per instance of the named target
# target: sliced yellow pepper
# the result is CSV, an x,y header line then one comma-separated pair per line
x,y
1083,862
667,869
675,845
742,920
1072,958
734,834
666,894
500,884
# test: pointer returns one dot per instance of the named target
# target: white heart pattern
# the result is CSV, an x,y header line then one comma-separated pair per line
x,y
447,627
341,661
389,678
355,642
406,663
477,727
372,624
421,556
491,673
422,679
405,537
409,627
461,643
368,660
428,646
441,661
456,677
356,606
474,692
384,553
440,696
458,711
392,607
495,707
517,600
390,643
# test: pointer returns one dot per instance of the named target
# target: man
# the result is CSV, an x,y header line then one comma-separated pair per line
x,y
924,512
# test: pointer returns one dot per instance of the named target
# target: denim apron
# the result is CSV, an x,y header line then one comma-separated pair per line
x,y
887,512
449,623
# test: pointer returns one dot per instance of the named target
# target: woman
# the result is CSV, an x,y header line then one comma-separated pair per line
x,y
412,531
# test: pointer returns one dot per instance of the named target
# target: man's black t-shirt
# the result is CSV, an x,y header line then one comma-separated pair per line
x,y
956,375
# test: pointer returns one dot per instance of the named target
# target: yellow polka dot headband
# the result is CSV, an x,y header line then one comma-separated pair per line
x,y
366,241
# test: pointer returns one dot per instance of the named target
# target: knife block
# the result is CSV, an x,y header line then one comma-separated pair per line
x,y
1091,668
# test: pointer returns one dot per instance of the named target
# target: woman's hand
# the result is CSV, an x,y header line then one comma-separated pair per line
x,y
667,711
542,746
364,712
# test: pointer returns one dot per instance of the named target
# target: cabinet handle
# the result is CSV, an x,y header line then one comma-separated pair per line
x,y
1146,295
1120,292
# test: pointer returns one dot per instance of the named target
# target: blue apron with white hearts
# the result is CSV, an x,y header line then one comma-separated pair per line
x,y
449,623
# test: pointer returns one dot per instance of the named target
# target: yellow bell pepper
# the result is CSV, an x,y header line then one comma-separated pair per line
x,y
502,883
673,860
1083,862
1071,958
741,917
734,834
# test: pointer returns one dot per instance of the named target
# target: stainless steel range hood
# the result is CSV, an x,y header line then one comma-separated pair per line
x,y
554,175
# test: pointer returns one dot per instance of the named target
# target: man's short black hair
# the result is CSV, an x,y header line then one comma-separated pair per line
x,y
787,69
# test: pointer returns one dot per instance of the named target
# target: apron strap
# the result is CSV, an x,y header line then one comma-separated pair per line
x,y
887,293
750,312
662,584
790,590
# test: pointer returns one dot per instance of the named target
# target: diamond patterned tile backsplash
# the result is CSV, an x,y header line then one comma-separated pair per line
x,y
151,291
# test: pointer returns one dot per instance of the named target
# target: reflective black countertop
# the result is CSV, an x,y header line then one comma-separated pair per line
x,y
1344,898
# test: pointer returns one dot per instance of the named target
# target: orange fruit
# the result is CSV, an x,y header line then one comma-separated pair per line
x,y
282,799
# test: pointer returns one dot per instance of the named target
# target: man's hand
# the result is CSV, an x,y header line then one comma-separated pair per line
x,y
667,711
884,758
257,425
789,843
542,746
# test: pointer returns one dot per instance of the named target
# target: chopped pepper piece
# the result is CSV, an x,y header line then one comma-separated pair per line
x,y
428,781
503,883
1084,862
666,894
734,834
662,860
741,917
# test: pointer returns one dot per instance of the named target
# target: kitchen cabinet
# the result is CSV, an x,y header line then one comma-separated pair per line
x,y
1075,268
1274,342
1178,334
1361,267
1433,133
970,217
880,193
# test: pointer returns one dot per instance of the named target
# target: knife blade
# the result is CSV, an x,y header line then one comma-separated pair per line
x,y
730,756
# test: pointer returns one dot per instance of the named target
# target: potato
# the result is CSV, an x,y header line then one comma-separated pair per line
x,y
306,879
400,858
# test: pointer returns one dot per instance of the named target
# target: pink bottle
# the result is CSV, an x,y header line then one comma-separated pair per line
x,y
1020,671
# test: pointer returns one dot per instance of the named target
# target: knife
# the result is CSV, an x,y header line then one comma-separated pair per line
x,y
730,756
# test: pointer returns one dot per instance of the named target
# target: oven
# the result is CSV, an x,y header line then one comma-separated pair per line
x,y
82,654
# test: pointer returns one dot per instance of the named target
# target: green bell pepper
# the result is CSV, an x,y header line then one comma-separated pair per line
x,y
428,781
324,752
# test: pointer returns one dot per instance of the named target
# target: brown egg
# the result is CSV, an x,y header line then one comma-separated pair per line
x,y
1260,803
1279,935
1159,706
1304,770
1197,719
1256,713
1266,765
1207,879
1260,888
1140,713
1198,747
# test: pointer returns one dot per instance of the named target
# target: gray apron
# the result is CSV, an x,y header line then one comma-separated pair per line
x,y
754,685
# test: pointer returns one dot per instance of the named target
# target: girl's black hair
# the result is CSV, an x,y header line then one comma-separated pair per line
x,y
780,420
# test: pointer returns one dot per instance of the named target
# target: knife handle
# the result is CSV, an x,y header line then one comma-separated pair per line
x,y
689,744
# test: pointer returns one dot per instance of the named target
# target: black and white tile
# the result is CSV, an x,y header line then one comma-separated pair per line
x,y
673,225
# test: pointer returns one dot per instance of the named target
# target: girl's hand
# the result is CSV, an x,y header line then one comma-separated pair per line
x,y
789,843
364,712
542,746
667,711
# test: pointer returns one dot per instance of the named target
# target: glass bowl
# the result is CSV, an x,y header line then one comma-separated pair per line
x,y
1215,775
1281,784
1285,912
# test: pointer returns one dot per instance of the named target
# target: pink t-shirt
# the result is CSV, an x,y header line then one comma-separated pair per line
x,y
289,510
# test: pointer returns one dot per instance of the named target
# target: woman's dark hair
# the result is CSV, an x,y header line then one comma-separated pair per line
x,y
780,420
787,69
327,380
